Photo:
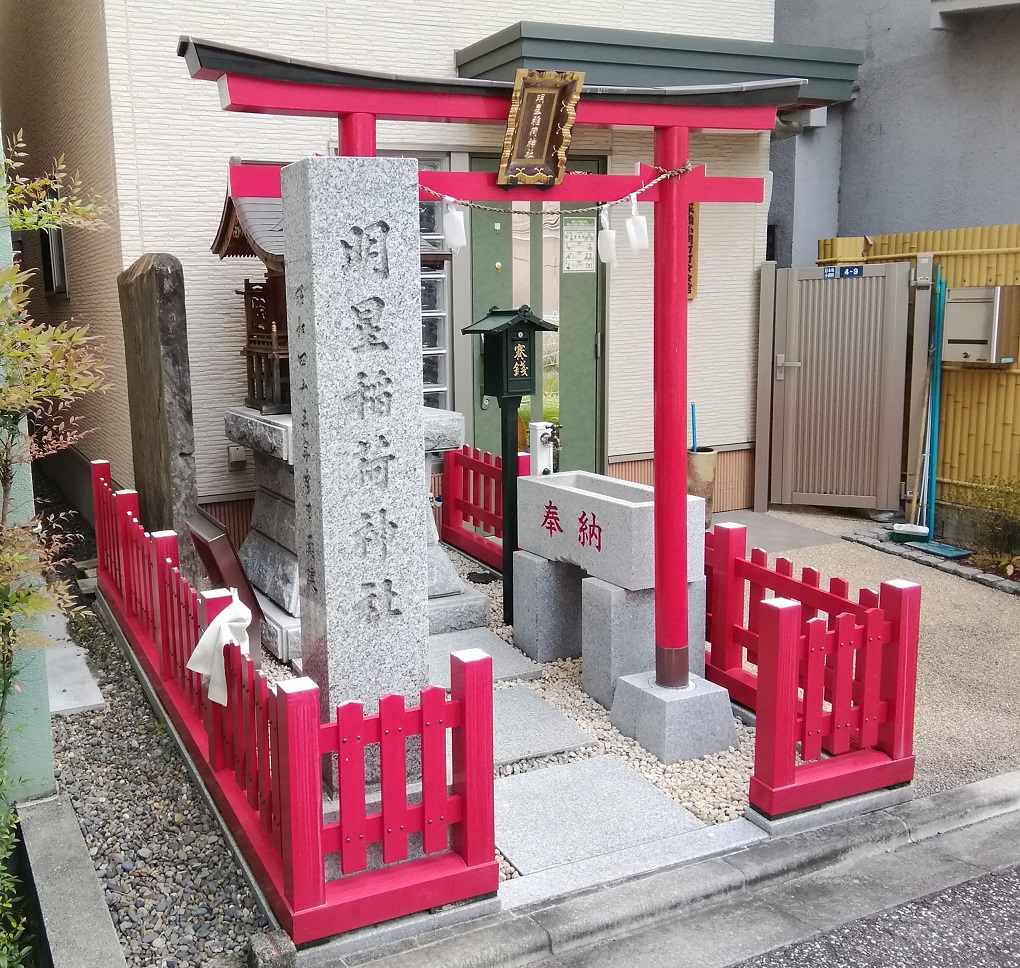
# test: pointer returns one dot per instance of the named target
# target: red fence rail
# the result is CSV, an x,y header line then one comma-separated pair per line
x,y
262,756
473,502
833,676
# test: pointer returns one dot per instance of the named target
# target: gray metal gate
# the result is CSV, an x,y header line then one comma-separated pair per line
x,y
832,376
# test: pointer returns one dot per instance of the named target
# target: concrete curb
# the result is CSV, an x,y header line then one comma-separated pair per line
x,y
586,918
76,925
968,572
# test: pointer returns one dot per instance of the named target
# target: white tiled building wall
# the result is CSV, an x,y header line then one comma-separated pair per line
x,y
722,319
171,143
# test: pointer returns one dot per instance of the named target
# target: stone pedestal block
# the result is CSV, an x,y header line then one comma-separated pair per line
x,y
443,577
547,608
468,609
272,569
444,429
270,434
273,516
697,606
674,724
351,238
281,631
617,632
274,475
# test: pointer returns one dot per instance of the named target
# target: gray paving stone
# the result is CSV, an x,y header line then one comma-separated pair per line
x,y
568,813
524,725
71,686
694,846
453,613
507,662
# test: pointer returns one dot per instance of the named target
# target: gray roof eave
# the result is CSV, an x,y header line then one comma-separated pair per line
x,y
207,60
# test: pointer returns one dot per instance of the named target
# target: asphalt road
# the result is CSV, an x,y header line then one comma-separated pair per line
x,y
973,925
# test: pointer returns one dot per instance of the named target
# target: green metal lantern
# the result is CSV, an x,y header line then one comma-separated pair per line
x,y
508,351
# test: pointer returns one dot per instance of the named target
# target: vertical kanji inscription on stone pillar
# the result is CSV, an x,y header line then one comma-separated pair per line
x,y
354,306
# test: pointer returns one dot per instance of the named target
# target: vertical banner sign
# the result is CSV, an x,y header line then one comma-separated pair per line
x,y
693,219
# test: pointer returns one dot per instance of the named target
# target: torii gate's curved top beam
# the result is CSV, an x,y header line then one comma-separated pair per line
x,y
261,83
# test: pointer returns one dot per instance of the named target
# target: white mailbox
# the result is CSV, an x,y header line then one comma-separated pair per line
x,y
982,325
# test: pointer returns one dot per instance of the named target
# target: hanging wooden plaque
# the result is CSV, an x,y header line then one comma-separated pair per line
x,y
539,127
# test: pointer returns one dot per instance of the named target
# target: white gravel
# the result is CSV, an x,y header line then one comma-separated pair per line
x,y
713,788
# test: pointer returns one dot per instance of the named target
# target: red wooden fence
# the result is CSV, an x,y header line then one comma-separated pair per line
x,y
841,686
262,755
473,499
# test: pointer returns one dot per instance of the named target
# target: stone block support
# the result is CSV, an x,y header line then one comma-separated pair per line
x,y
617,632
547,622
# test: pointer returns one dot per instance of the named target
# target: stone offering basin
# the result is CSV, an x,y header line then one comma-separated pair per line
x,y
599,523
594,510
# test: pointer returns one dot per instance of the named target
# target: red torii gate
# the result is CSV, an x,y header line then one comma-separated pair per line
x,y
262,84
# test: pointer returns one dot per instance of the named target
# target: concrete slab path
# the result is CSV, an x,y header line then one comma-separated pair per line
x,y
71,685
774,534
575,811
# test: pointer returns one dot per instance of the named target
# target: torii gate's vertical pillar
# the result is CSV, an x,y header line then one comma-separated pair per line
x,y
672,716
670,409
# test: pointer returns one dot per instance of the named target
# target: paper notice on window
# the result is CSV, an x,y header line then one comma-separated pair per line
x,y
579,244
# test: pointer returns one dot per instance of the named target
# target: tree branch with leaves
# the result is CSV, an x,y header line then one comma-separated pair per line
x,y
56,199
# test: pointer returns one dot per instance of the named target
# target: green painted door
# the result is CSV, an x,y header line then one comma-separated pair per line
x,y
550,263
491,285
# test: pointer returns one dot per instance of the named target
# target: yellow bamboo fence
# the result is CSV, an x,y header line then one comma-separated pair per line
x,y
979,429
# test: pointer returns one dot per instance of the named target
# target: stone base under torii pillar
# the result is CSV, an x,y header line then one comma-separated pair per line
x,y
674,724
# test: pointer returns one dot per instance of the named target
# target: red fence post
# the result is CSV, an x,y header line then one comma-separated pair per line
x,y
304,873
729,545
523,465
453,491
210,604
164,558
776,727
901,603
474,838
100,481
125,508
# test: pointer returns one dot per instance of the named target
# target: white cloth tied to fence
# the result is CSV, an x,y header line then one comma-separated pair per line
x,y
231,625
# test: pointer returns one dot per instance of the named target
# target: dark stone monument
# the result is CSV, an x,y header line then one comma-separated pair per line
x,y
159,397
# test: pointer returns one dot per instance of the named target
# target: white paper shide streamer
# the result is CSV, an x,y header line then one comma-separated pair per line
x,y
454,228
607,239
637,227
231,625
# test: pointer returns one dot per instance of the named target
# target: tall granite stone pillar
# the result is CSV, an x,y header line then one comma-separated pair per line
x,y
354,315
159,396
